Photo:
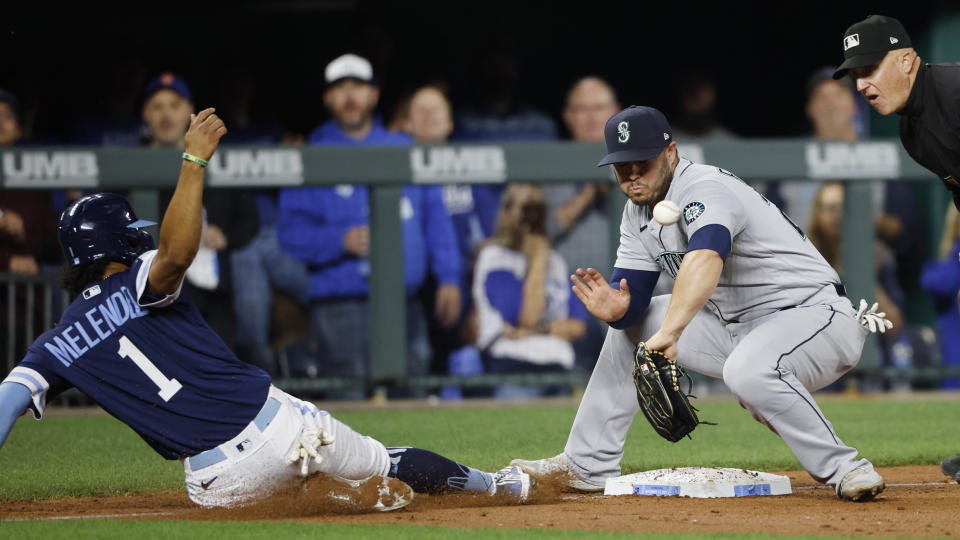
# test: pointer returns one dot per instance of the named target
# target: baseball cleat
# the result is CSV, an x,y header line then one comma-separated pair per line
x,y
512,482
392,494
951,467
541,468
861,485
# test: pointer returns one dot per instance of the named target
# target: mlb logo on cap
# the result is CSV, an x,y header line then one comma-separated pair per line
x,y
635,134
868,41
851,41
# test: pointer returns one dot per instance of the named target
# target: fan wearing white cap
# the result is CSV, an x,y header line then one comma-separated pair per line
x,y
351,94
328,228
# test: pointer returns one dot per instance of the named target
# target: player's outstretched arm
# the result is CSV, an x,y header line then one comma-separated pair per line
x,y
14,399
696,280
180,230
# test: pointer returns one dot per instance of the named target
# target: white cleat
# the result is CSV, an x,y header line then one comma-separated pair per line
x,y
541,468
861,485
512,482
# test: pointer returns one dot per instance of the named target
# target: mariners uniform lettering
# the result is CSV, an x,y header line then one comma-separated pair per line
x,y
101,321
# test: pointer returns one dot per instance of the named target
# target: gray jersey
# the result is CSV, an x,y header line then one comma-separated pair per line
x,y
771,264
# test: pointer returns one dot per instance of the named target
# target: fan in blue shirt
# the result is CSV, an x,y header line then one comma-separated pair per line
x,y
328,229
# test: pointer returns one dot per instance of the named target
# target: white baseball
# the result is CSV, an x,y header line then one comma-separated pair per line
x,y
666,212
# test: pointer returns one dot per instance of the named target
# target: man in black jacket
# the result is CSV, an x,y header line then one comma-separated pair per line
x,y
878,53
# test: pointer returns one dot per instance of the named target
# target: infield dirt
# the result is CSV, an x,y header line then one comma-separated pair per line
x,y
918,502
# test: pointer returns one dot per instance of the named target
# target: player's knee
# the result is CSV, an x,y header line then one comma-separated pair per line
x,y
745,383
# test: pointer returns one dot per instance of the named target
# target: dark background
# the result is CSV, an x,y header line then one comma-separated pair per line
x,y
72,64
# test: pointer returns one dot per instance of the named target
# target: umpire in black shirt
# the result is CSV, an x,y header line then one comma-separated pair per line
x,y
878,53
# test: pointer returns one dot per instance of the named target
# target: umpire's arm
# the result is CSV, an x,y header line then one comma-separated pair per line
x,y
183,221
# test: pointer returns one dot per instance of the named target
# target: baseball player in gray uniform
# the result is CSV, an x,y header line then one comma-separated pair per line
x,y
753,303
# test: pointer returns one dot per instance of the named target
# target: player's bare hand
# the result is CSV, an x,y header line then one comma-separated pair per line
x,y
601,300
665,343
356,241
204,134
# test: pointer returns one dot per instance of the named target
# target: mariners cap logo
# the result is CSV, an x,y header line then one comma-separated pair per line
x,y
852,41
622,129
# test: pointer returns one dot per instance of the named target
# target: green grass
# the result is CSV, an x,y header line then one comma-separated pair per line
x,y
100,456
164,530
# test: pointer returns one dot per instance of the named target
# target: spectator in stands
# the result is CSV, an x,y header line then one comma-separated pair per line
x,y
941,278
10,130
578,224
260,267
166,111
825,232
236,91
230,214
527,315
28,246
833,113
113,117
28,236
696,90
428,117
495,112
27,240
328,229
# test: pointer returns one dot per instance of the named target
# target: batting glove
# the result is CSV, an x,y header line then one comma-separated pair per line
x,y
306,448
875,322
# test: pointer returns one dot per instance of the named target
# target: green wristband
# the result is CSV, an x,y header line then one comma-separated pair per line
x,y
195,159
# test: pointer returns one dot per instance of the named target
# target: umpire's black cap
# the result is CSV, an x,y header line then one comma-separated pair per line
x,y
636,133
867,42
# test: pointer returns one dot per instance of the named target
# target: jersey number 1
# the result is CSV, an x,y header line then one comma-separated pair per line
x,y
168,387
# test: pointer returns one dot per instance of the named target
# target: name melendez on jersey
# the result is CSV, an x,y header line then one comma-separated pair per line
x,y
102,320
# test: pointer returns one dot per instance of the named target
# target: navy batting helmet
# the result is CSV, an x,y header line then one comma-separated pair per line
x,y
102,226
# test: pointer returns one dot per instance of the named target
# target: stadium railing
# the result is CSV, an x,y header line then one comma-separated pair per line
x,y
144,171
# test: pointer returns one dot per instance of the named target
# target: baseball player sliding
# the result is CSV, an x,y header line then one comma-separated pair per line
x,y
133,343
753,302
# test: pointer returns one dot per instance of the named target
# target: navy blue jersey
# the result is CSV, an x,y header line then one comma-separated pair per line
x,y
152,363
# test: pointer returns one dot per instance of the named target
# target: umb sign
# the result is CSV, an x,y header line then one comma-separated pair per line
x,y
853,160
449,164
50,169
256,168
